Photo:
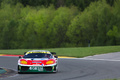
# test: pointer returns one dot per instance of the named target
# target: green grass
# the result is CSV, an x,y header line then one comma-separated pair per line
x,y
74,52
112,79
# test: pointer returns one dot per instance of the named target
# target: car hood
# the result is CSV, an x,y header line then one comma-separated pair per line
x,y
36,61
35,58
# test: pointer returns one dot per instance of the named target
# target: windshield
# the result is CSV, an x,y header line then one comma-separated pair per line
x,y
38,55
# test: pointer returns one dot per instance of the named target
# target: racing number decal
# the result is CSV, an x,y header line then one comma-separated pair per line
x,y
36,68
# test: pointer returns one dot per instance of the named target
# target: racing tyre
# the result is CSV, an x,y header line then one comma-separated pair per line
x,y
56,69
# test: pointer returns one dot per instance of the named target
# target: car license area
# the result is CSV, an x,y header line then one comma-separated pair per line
x,y
36,68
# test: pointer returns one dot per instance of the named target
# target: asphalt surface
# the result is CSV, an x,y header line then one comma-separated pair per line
x,y
89,68
109,56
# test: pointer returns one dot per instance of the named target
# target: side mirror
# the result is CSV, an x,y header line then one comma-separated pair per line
x,y
25,53
55,56
53,53
20,57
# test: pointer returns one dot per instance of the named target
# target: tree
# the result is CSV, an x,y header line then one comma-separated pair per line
x,y
59,25
92,24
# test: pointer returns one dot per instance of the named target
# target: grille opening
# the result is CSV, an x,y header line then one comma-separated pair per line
x,y
48,68
24,68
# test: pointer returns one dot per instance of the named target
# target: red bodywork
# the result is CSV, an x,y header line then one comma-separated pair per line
x,y
38,62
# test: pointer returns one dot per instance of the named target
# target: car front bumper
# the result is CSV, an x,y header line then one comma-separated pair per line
x,y
37,68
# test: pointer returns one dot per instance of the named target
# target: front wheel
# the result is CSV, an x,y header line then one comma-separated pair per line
x,y
55,69
18,69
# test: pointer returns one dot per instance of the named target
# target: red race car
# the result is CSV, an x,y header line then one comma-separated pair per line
x,y
38,61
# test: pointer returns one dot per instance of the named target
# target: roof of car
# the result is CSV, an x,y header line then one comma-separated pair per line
x,y
38,51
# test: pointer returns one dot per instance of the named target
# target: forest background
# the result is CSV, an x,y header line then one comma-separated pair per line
x,y
30,24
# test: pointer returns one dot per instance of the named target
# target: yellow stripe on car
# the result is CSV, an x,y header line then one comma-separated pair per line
x,y
37,52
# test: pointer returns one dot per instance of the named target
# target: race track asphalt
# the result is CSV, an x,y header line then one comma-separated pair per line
x,y
69,69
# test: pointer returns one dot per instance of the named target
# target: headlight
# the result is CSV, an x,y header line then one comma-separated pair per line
x,y
50,62
23,62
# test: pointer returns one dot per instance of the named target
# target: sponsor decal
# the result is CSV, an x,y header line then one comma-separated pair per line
x,y
36,62
42,64
36,68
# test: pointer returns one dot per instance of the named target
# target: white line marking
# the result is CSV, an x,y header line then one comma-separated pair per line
x,y
91,59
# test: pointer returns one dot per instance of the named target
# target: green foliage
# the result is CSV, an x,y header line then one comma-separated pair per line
x,y
48,23
114,32
111,2
59,25
81,4
92,24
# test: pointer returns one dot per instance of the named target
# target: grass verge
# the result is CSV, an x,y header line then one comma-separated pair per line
x,y
112,79
72,52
